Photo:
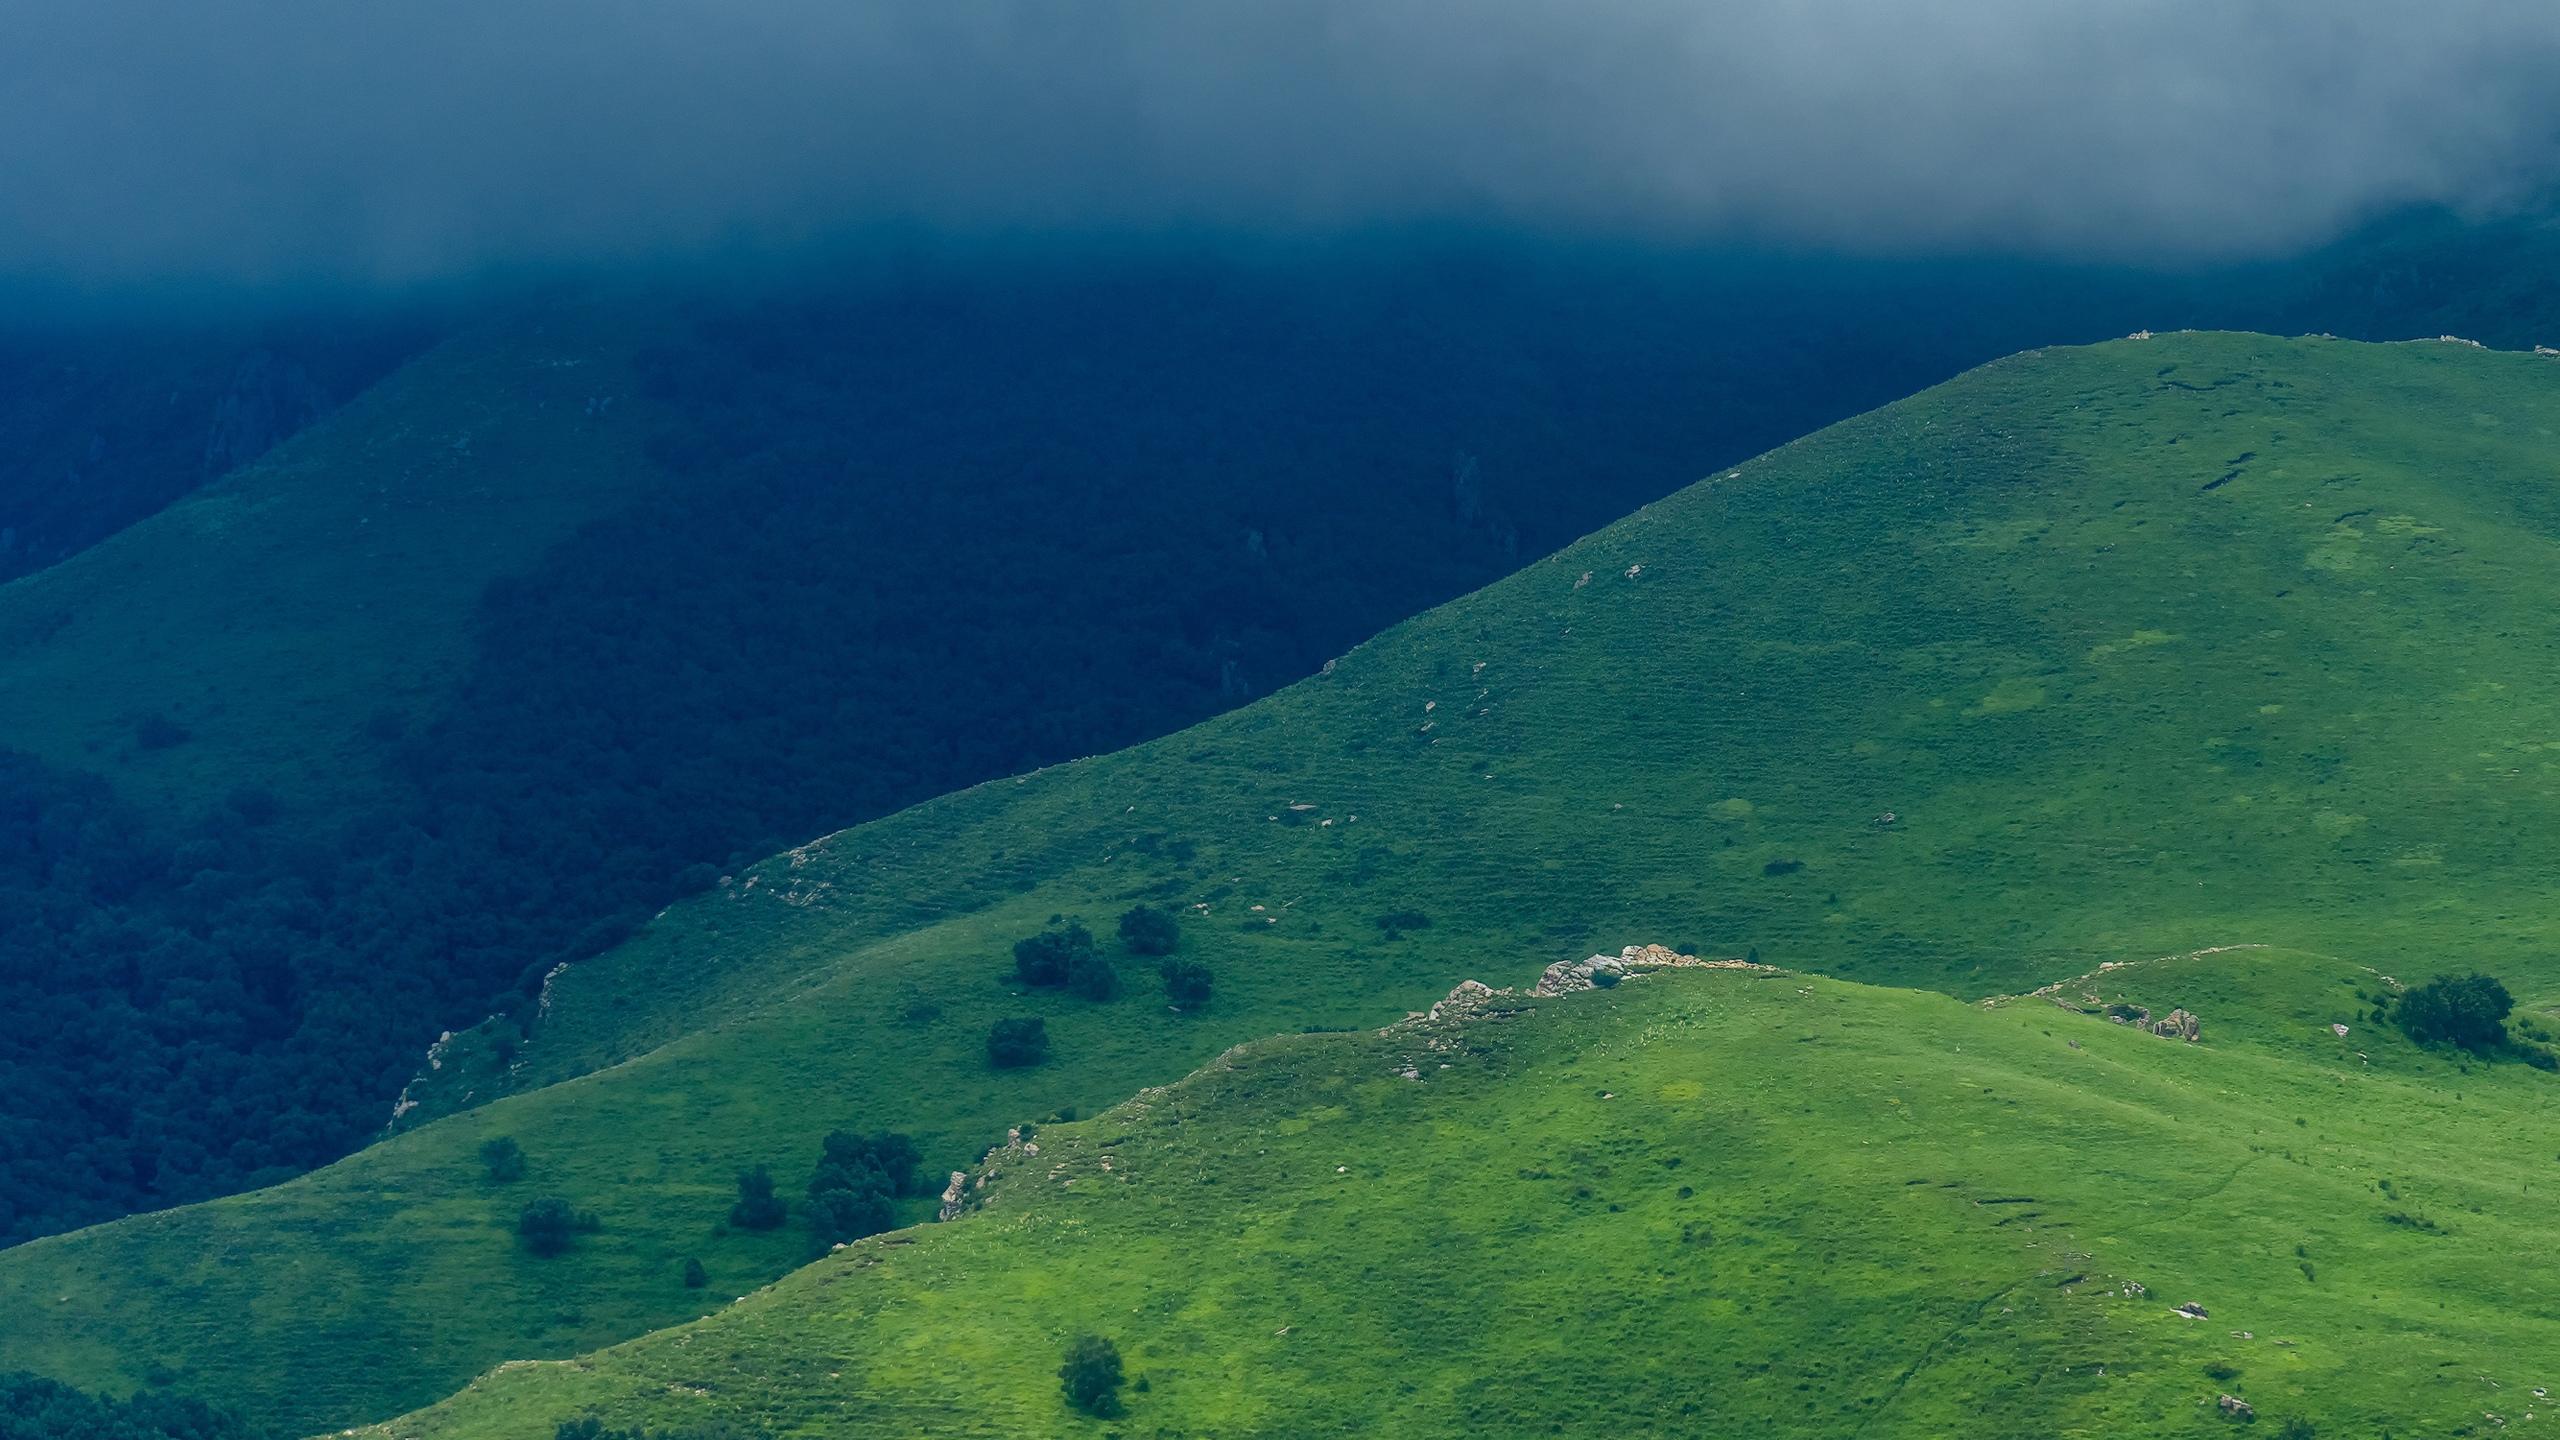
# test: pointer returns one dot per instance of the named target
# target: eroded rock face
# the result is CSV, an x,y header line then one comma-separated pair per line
x,y
954,1196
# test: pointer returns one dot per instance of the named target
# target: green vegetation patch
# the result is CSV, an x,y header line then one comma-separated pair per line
x,y
1706,1202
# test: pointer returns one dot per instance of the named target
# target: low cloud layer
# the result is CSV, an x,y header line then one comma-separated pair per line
x,y
397,141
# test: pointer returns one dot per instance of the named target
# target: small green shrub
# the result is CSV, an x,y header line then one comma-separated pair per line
x,y
758,1208
695,1277
1147,930
1091,1376
1396,922
503,1158
1013,1044
840,1217
1093,978
549,1226
1187,983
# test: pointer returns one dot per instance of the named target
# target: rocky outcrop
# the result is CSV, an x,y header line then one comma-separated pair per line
x,y
954,1196
1602,971
2237,1408
2177,1024
1473,999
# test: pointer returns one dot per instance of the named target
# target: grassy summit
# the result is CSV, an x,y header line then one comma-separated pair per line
x,y
2144,648
1703,1202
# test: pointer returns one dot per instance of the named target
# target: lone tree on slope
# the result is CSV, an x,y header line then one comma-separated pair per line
x,y
1091,1376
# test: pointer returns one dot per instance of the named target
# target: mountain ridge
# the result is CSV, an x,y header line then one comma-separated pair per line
x,y
1954,612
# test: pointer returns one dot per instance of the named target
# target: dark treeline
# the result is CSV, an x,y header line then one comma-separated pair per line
x,y
37,1409
103,425
902,539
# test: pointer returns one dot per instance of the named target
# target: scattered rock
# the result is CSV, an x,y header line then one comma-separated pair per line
x,y
2338,1030
2193,1311
1464,999
2236,1408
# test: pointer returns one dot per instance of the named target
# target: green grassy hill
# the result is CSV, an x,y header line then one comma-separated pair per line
x,y
2144,648
1703,1202
272,615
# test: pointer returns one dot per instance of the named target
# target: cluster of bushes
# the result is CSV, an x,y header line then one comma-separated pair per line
x,y
1065,957
851,1193
2468,1012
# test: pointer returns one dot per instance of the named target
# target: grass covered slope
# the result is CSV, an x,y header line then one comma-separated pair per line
x,y
1702,1202
2144,647
269,616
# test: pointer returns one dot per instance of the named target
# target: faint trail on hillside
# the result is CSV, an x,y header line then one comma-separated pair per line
x,y
1971,1318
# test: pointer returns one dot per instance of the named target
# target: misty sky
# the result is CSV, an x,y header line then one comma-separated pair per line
x,y
391,141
